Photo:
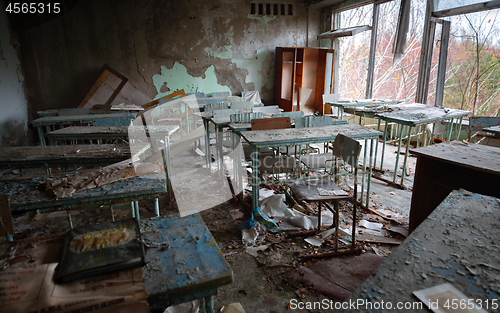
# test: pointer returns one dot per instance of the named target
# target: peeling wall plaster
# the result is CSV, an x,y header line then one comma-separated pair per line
x,y
160,46
13,105
177,78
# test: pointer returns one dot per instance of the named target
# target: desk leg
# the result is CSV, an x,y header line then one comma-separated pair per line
x,y
220,158
132,209
451,129
207,142
383,146
41,137
376,147
370,173
157,207
403,173
206,304
399,150
136,204
363,175
255,177
457,137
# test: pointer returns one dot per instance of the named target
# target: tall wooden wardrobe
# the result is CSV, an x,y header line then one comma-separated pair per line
x,y
300,72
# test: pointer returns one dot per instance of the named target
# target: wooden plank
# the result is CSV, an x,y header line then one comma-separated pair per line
x,y
6,224
271,123
172,95
100,80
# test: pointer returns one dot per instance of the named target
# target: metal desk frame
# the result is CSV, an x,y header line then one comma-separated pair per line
x,y
299,136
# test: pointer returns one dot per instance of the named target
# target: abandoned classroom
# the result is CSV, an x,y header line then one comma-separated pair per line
x,y
245,156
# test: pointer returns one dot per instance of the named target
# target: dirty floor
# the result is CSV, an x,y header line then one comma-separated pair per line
x,y
277,278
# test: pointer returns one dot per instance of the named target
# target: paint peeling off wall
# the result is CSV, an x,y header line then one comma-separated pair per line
x,y
13,105
255,68
177,78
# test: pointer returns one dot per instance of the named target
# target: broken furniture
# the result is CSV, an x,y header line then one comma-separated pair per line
x,y
299,136
493,129
444,167
67,156
417,118
25,196
183,262
51,123
301,75
326,190
456,244
484,126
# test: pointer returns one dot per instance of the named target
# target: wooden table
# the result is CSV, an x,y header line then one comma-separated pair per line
x,y
456,244
64,156
50,123
444,167
309,135
414,118
192,267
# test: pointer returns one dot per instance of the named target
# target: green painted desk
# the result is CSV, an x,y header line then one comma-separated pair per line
x,y
414,118
456,244
309,135
192,267
50,123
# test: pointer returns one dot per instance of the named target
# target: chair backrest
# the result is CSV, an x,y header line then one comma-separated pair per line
x,y
347,149
216,106
225,112
271,123
477,123
246,117
270,109
292,115
242,105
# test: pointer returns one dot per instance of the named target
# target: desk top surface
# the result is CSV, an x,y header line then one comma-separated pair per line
x,y
24,194
59,155
183,259
457,244
87,117
361,102
386,108
113,130
428,114
475,156
309,134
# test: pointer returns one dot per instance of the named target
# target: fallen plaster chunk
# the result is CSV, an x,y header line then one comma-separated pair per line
x,y
236,214
249,236
233,308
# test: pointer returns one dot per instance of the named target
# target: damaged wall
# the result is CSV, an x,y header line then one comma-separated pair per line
x,y
14,116
161,46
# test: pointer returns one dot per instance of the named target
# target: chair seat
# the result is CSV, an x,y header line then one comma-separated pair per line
x,y
317,190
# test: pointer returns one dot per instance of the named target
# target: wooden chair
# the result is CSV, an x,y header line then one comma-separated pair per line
x,y
321,190
271,123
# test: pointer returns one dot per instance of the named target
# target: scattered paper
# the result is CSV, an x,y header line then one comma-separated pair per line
x,y
319,238
249,236
370,225
442,297
331,192
33,289
232,308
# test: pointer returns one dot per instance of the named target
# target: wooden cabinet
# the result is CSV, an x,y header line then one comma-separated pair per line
x,y
300,77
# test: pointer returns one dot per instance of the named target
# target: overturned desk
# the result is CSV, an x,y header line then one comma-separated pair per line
x,y
299,136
